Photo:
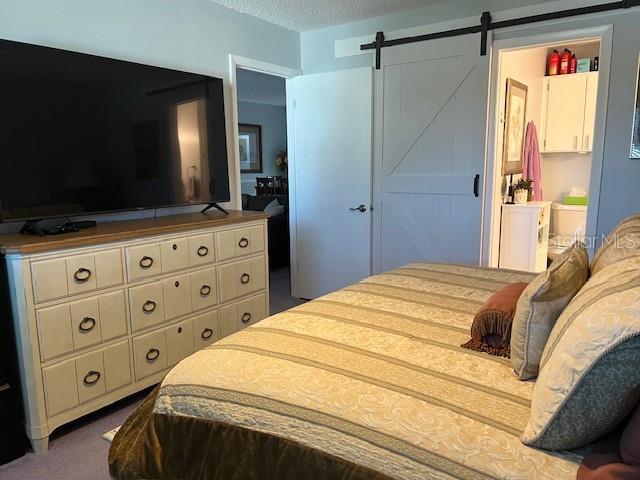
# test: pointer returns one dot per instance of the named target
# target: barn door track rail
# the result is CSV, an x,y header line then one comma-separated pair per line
x,y
486,24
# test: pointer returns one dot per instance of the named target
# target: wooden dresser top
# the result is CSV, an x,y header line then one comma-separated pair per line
x,y
124,230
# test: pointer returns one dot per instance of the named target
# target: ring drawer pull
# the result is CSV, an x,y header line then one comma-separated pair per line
x,y
205,290
82,274
245,278
246,317
149,306
91,378
203,251
87,324
206,334
153,354
146,262
243,243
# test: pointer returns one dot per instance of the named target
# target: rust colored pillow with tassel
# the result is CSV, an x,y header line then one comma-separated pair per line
x,y
491,328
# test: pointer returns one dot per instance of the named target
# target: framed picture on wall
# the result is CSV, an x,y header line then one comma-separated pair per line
x,y
515,122
250,145
635,132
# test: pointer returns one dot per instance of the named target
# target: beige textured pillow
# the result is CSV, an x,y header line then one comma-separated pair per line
x,y
590,369
541,304
624,240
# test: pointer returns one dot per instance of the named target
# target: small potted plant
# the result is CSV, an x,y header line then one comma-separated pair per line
x,y
282,162
522,190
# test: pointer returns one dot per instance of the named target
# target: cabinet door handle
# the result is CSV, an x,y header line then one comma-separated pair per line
x,y
205,290
82,275
87,324
202,251
246,317
245,278
575,142
153,354
149,306
206,334
146,262
243,243
91,378
587,142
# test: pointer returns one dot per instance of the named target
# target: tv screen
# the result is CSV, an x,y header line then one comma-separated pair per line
x,y
84,134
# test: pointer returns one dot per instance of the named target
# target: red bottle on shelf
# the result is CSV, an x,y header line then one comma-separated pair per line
x,y
554,63
574,64
565,62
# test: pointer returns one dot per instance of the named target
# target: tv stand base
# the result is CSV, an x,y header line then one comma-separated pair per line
x,y
216,206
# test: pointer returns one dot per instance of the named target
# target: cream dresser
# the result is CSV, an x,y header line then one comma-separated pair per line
x,y
103,313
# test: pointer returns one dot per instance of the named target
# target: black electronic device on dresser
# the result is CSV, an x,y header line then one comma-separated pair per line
x,y
12,438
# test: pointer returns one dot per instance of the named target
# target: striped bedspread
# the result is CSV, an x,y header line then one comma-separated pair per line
x,y
373,376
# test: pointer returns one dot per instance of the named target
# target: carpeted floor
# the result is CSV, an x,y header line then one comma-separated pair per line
x,y
78,452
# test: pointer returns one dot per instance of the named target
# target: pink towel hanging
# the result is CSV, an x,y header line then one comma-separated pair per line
x,y
531,166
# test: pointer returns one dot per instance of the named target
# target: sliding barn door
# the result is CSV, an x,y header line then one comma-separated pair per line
x,y
430,130
330,184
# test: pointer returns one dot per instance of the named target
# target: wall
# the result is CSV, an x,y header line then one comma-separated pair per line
x,y
274,138
618,186
191,35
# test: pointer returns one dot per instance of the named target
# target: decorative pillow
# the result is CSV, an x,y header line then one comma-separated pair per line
x,y
630,441
541,304
590,369
624,240
273,209
491,327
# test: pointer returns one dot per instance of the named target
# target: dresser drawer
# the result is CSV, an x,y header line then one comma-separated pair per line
x,y
204,289
60,386
150,354
179,341
177,296
205,330
174,255
239,242
72,326
76,274
143,261
201,249
242,314
241,278
146,304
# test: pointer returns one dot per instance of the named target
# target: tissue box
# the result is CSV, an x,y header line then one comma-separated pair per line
x,y
569,200
583,65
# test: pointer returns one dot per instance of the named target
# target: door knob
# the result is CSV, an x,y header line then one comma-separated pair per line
x,y
360,208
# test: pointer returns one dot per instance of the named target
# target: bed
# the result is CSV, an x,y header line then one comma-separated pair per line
x,y
368,382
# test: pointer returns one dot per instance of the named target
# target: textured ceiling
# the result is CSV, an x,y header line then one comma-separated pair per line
x,y
302,15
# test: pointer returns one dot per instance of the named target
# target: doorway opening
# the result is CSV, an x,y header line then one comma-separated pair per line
x,y
543,190
261,121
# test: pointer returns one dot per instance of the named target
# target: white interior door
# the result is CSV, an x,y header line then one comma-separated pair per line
x,y
331,137
430,131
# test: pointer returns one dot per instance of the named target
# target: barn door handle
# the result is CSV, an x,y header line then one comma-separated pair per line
x,y
360,208
476,185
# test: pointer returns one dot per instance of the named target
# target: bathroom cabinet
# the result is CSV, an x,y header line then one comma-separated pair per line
x,y
524,236
568,112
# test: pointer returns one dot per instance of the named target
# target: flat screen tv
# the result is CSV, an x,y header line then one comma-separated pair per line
x,y
83,134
